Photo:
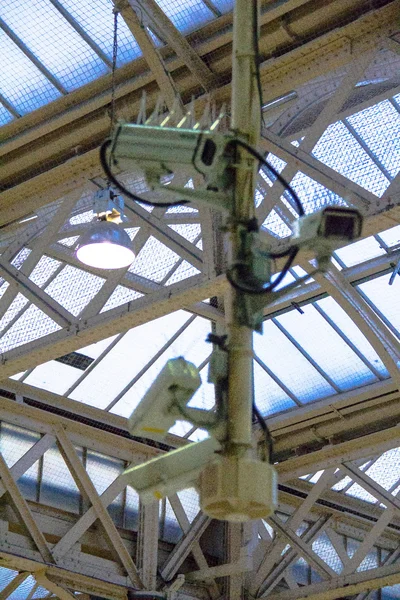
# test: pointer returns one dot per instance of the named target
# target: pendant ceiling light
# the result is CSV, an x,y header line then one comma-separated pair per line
x,y
105,245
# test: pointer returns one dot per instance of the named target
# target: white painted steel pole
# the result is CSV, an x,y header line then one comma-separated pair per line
x,y
246,123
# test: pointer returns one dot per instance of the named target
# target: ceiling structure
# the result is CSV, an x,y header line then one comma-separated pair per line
x,y
79,347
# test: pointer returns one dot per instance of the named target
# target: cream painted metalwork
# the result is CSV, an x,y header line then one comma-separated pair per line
x,y
334,423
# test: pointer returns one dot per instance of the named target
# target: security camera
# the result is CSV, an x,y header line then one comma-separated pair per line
x,y
162,152
171,472
327,227
158,410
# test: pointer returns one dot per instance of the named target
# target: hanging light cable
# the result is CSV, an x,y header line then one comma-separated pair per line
x,y
106,245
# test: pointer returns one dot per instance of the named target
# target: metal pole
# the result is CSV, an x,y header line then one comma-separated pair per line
x,y
246,123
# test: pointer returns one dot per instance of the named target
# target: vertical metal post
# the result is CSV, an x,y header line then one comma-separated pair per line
x,y
246,123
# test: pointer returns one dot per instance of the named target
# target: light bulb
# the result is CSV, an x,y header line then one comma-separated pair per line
x,y
105,246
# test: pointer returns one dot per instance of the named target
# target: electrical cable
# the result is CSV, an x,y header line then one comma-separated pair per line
x,y
278,176
111,177
266,431
262,290
257,57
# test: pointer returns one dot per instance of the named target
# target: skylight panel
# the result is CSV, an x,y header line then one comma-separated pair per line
x,y
289,365
315,336
338,149
58,487
385,297
269,397
391,236
323,547
379,127
6,576
97,19
385,470
32,325
130,355
121,295
276,225
352,332
53,41
191,344
53,376
44,269
189,231
184,271
23,590
223,5
5,116
15,442
154,260
186,16
74,289
312,194
22,84
359,252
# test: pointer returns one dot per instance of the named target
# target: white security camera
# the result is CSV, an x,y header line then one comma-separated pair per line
x,y
158,410
171,472
166,151
326,228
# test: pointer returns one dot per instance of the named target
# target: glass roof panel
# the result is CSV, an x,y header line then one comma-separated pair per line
x,y
96,18
391,236
361,251
53,41
74,288
22,591
312,194
379,127
223,5
385,297
350,329
53,376
191,344
338,149
5,116
205,396
154,261
126,360
186,16
6,576
295,372
385,470
22,84
315,335
269,396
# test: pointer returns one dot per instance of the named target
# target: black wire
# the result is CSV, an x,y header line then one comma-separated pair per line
x,y
269,288
111,177
257,57
278,176
266,431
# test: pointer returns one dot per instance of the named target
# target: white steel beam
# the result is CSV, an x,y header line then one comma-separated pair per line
x,y
23,511
112,322
87,489
344,585
179,44
147,547
152,56
197,552
184,546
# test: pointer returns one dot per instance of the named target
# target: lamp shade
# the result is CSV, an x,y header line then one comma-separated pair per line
x,y
105,245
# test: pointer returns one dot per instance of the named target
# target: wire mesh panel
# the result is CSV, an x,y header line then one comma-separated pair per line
x,y
154,261
60,48
127,359
295,372
6,576
103,470
58,487
5,115
191,344
379,127
315,335
22,84
338,149
74,289
32,325
97,20
186,16
23,590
